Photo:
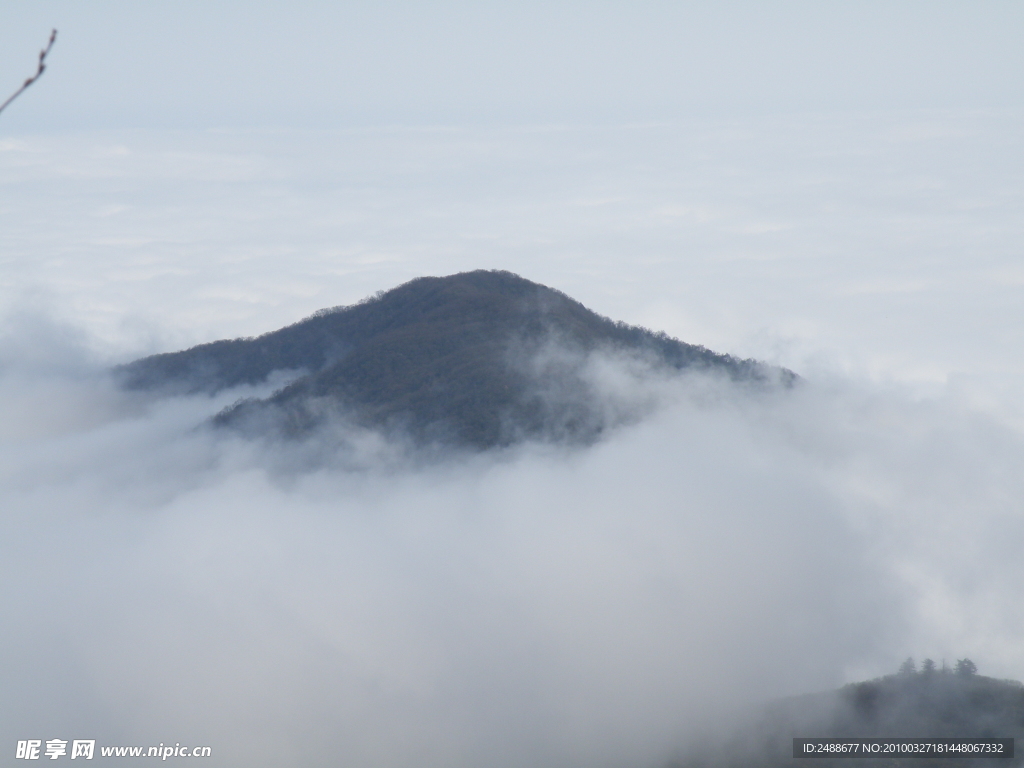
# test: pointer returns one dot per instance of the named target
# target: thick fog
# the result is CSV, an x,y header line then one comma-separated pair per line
x,y
539,605
837,192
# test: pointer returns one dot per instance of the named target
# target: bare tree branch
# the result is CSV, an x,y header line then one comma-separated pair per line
x,y
42,67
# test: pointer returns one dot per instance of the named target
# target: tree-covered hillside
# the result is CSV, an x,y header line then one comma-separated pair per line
x,y
443,359
933,702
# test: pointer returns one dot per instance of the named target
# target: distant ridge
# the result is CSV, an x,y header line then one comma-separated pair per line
x,y
439,358
909,705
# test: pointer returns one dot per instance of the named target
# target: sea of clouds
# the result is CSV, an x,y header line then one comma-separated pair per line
x,y
537,605
164,583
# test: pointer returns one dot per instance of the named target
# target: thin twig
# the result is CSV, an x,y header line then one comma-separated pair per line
x,y
42,67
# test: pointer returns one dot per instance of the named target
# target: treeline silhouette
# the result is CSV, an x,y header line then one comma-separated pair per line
x,y
964,667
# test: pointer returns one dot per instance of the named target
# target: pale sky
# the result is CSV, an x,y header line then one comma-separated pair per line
x,y
795,180
200,64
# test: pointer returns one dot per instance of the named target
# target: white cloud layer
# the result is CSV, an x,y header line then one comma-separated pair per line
x,y
537,606
885,246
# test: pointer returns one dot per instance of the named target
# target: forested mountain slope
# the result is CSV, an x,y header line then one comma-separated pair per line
x,y
480,359
930,703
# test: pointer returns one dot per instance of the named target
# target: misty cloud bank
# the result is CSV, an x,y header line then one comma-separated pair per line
x,y
541,606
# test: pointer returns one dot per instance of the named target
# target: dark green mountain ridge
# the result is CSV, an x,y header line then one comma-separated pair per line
x,y
940,704
443,359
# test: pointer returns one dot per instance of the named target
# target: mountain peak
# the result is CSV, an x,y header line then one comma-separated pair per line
x,y
443,359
